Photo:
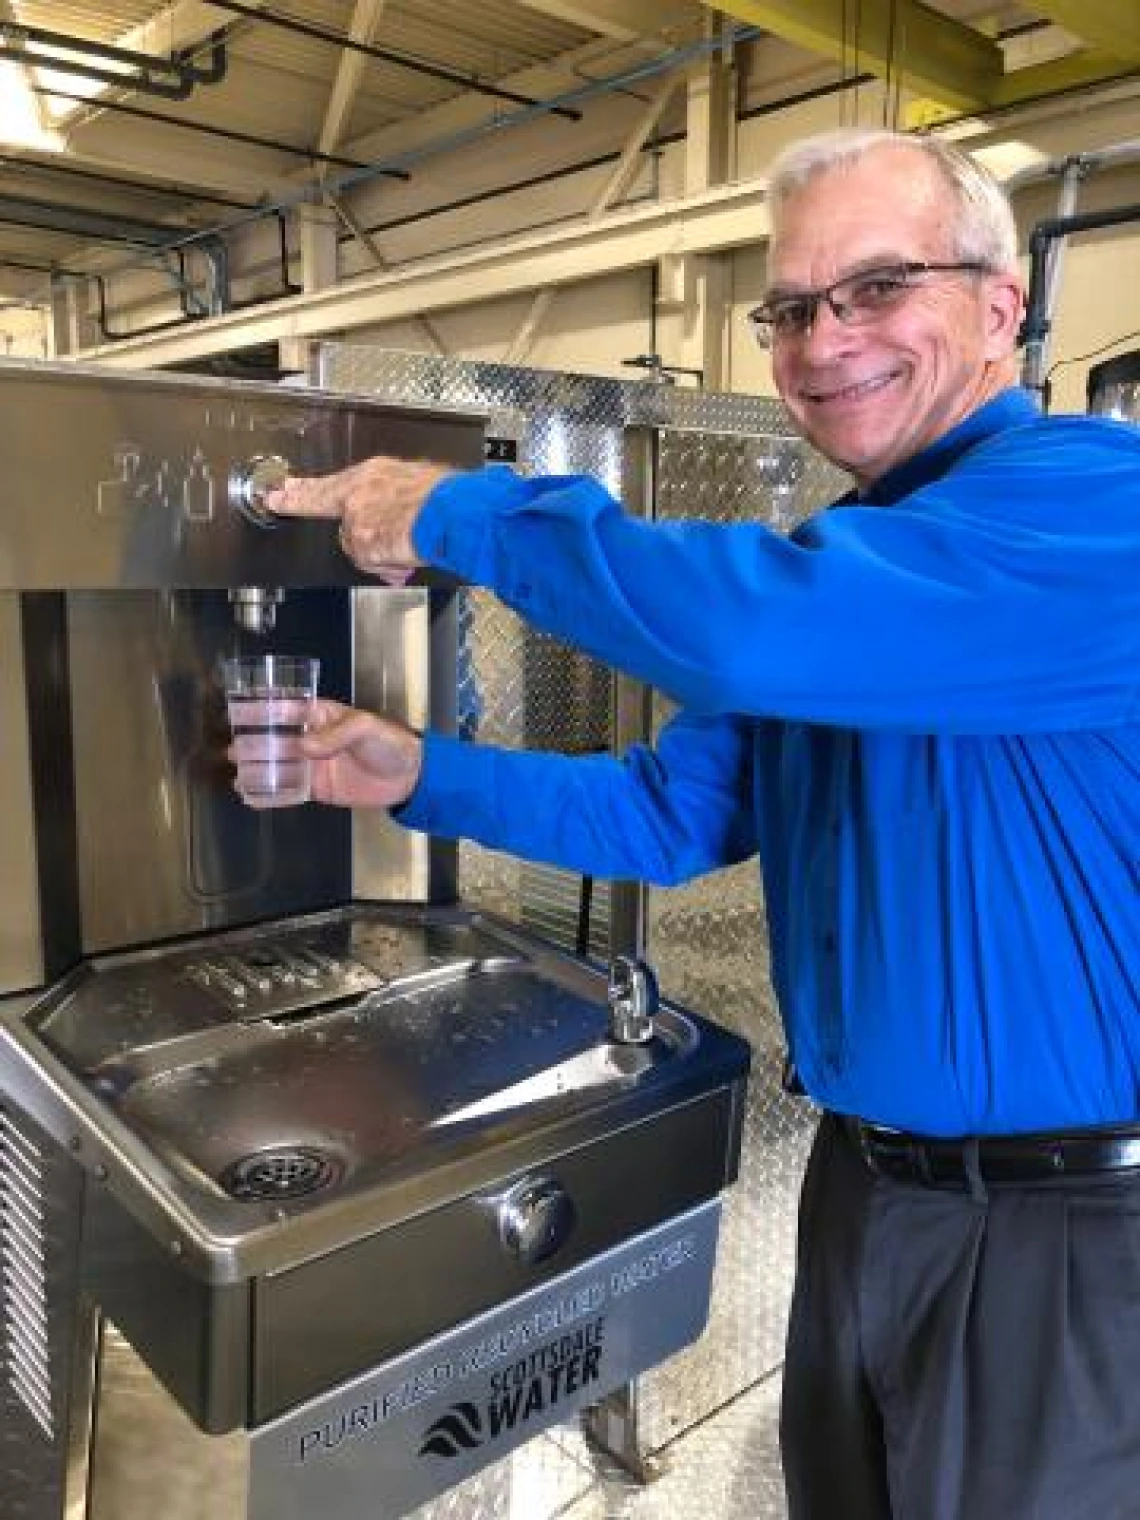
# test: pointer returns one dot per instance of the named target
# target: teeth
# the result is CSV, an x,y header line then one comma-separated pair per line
x,y
864,387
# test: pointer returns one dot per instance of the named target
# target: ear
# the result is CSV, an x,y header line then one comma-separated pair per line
x,y
1004,296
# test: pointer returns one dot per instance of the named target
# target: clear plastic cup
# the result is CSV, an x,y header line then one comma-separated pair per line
x,y
269,698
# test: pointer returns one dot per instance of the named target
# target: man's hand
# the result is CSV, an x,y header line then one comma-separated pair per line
x,y
377,503
360,759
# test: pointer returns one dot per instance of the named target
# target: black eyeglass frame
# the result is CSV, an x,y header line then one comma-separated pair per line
x,y
763,319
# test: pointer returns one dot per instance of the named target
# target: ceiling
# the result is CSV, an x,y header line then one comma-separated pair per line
x,y
124,125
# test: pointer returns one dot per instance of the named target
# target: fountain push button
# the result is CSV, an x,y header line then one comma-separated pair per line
x,y
250,481
536,1218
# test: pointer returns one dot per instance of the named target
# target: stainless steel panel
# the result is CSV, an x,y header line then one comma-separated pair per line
x,y
147,1075
115,479
21,943
397,672
422,1423
165,846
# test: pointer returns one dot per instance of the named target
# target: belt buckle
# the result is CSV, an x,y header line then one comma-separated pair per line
x,y
866,1147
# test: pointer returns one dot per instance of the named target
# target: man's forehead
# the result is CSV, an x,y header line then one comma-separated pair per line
x,y
876,188
853,215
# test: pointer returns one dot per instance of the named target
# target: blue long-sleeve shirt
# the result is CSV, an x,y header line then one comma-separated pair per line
x,y
922,712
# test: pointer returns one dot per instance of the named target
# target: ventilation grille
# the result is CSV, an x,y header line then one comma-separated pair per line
x,y
23,1290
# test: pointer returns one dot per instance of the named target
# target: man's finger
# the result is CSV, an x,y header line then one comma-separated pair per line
x,y
310,496
329,739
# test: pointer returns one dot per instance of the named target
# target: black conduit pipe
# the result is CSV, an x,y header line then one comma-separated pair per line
x,y
227,132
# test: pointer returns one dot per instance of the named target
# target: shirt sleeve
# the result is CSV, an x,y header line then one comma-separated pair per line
x,y
1003,597
662,815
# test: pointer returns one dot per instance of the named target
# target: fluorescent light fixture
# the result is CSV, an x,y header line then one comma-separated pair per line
x,y
20,123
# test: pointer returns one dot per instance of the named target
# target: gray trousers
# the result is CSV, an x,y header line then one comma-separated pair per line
x,y
962,1357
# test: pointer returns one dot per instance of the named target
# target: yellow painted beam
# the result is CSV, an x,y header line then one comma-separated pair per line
x,y
1038,81
1112,26
1071,73
928,53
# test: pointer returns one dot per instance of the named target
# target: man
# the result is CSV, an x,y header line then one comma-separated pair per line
x,y
922,712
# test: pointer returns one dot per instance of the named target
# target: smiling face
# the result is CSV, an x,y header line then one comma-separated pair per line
x,y
871,396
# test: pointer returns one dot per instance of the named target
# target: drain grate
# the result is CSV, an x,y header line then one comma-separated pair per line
x,y
286,1172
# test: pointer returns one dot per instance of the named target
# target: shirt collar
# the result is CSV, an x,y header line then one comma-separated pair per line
x,y
1010,408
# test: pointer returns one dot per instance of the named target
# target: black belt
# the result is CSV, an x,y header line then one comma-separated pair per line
x,y
995,1158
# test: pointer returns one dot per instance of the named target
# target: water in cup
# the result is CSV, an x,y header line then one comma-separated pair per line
x,y
270,699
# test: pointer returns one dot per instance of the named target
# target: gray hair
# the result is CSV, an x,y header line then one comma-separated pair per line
x,y
984,226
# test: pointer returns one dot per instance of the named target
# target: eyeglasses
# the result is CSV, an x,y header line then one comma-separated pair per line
x,y
857,300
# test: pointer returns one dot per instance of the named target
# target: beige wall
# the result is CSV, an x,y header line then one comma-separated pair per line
x,y
22,334
591,327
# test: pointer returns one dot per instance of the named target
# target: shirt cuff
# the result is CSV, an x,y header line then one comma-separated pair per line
x,y
436,805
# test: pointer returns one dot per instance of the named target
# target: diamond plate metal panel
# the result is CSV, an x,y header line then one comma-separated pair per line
x,y
485,1495
709,943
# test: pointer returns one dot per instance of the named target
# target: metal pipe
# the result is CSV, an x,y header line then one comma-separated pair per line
x,y
18,35
228,133
23,211
1035,329
110,335
212,72
1036,361
16,40
549,176
181,89
384,55
221,299
1100,158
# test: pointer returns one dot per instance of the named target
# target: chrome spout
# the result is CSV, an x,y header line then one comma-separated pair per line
x,y
255,607
634,999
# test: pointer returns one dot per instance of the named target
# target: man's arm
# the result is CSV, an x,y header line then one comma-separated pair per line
x,y
661,815
1003,598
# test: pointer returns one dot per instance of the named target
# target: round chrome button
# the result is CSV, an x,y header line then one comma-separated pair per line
x,y
536,1218
249,483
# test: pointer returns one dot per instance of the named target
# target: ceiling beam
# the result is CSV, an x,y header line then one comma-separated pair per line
x,y
1112,26
362,28
1076,71
1081,70
623,20
926,52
